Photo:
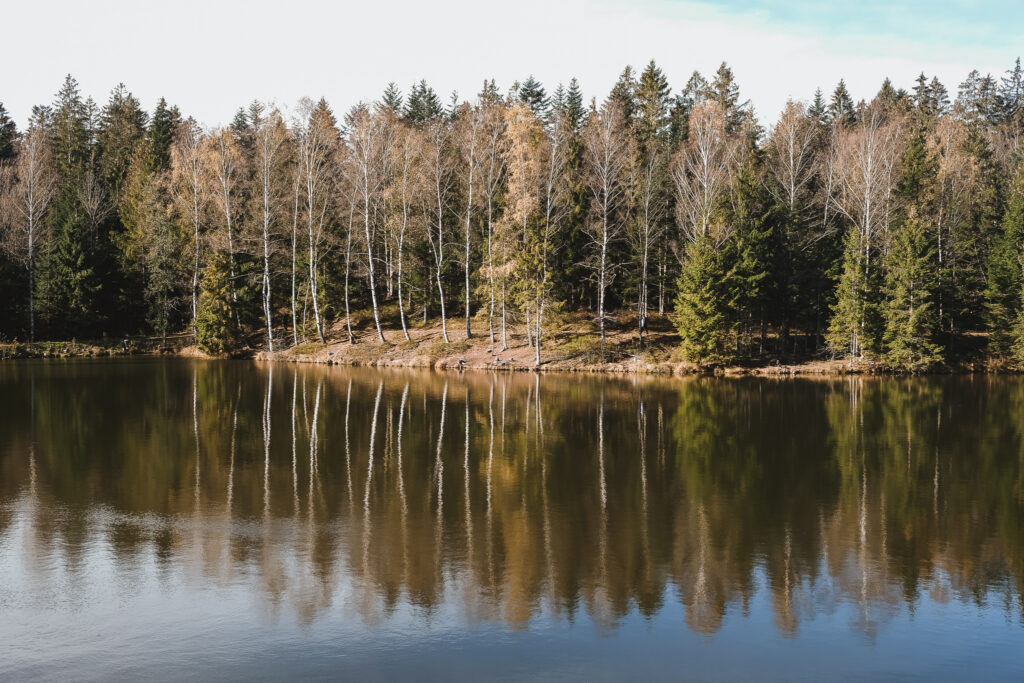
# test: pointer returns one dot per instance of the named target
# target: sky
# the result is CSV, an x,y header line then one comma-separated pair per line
x,y
211,56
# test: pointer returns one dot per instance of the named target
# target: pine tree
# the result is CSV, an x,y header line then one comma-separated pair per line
x,y
701,312
911,321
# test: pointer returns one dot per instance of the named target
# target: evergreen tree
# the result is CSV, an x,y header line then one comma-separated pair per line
x,y
8,134
122,126
701,311
653,99
533,95
850,331
911,322
751,292
1005,280
818,109
841,107
69,284
391,100
423,104
726,92
164,123
69,127
215,323
624,92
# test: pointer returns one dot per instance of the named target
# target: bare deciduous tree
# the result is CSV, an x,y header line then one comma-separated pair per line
x,y
190,196
28,187
608,157
369,142
703,171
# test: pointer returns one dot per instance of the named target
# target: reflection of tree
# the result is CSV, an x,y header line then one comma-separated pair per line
x,y
512,495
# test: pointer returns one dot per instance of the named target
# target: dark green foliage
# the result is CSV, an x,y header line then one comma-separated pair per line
x,y
841,107
624,93
423,103
911,319
68,281
726,92
391,100
850,332
217,330
702,311
8,134
533,95
1003,290
161,133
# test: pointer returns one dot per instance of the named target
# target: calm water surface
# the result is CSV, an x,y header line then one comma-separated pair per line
x,y
176,520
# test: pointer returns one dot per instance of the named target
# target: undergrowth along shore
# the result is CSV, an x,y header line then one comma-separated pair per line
x,y
567,350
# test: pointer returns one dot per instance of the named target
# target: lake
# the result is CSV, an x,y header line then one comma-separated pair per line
x,y
170,519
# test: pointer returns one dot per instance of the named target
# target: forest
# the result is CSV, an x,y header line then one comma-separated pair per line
x,y
887,231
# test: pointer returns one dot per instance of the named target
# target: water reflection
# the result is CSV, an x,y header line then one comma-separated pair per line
x,y
514,497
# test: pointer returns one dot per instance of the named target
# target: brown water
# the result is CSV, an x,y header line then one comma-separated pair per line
x,y
178,520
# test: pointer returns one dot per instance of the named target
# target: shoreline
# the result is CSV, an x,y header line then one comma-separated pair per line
x,y
567,352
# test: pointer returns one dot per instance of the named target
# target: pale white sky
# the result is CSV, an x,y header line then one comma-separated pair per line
x,y
210,57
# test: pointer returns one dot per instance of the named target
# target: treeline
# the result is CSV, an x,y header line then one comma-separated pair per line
x,y
888,229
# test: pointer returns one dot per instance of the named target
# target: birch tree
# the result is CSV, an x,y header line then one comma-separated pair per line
x,y
471,144
28,187
439,172
492,175
369,143
555,207
405,195
317,143
223,162
702,172
270,157
864,159
524,160
190,196
608,157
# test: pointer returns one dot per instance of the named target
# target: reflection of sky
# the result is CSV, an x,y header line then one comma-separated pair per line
x,y
135,616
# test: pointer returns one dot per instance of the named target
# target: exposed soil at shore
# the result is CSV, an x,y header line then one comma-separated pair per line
x,y
574,347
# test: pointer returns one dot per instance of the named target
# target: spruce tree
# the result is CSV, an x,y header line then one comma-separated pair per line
x,y
8,134
165,121
701,312
818,109
653,99
1004,278
215,323
727,93
533,95
848,332
841,107
423,104
391,100
624,93
911,320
